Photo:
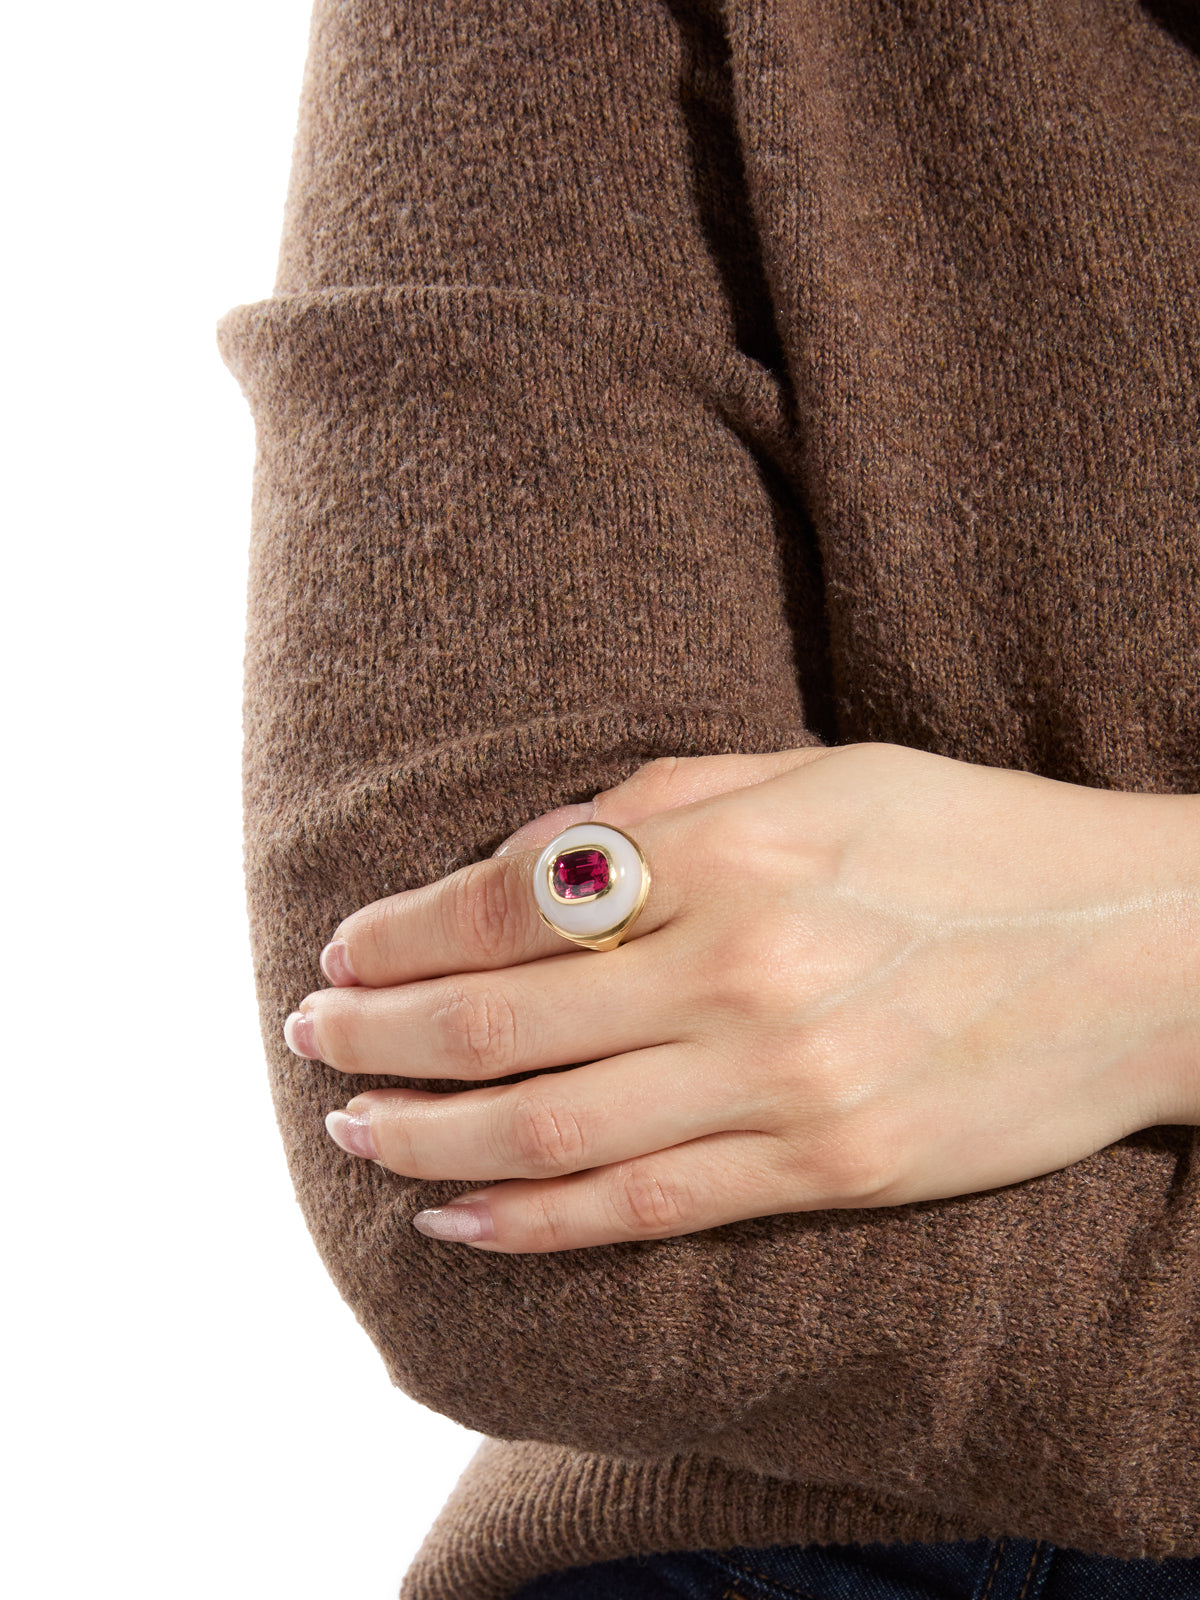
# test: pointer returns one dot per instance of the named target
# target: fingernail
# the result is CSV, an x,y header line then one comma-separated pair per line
x,y
464,1221
352,1131
335,963
300,1035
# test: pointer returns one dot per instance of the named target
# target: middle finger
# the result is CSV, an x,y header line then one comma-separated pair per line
x,y
566,1009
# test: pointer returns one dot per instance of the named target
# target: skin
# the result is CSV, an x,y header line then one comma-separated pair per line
x,y
864,976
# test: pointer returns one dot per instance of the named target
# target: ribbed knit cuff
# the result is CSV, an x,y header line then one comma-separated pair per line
x,y
521,1510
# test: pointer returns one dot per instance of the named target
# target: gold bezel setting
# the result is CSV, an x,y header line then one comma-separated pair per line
x,y
628,876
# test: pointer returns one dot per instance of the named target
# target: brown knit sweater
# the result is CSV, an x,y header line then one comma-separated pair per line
x,y
678,376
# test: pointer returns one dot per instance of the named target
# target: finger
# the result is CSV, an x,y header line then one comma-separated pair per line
x,y
561,1123
673,781
481,917
724,1177
552,1013
537,834
662,785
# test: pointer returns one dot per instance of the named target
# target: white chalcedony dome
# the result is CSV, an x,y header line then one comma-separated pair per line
x,y
593,914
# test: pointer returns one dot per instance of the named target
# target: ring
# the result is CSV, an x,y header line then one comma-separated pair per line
x,y
590,883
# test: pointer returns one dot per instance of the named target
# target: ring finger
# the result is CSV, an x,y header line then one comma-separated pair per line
x,y
557,1124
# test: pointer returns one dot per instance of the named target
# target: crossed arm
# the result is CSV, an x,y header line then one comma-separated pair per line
x,y
878,973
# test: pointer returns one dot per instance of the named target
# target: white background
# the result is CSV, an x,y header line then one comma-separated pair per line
x,y
190,1409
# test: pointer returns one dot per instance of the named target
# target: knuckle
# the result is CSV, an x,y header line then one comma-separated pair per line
x,y
738,980
836,1076
853,1161
338,1036
547,1222
828,1067
846,1138
647,1204
661,774
400,1148
367,936
761,975
544,1138
478,1030
480,906
653,781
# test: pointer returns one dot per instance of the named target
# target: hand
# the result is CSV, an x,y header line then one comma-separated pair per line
x,y
864,976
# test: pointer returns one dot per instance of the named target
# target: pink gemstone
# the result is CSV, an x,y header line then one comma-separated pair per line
x,y
580,874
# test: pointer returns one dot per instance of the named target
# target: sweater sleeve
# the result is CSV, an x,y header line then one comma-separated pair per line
x,y
523,520
522,516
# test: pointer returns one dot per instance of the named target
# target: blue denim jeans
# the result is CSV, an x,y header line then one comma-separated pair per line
x,y
984,1569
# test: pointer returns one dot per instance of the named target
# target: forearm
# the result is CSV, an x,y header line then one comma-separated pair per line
x,y
518,529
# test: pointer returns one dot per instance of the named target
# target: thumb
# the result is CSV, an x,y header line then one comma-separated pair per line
x,y
661,785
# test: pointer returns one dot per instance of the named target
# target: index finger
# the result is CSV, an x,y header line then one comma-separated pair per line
x,y
484,916
481,917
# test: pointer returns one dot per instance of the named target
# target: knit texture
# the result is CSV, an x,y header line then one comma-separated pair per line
x,y
648,377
